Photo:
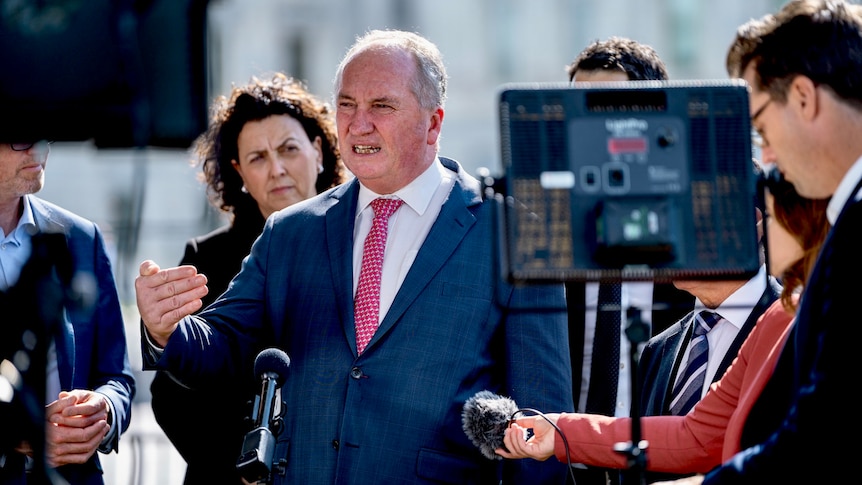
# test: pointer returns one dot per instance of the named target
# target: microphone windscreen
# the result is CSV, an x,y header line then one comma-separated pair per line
x,y
272,360
485,418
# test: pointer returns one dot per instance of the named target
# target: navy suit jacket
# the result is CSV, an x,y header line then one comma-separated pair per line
x,y
660,357
660,361
393,413
211,451
91,345
669,305
821,353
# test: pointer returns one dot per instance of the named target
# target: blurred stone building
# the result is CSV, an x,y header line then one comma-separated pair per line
x,y
149,202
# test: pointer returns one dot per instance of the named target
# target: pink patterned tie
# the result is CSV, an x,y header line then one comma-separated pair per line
x,y
366,306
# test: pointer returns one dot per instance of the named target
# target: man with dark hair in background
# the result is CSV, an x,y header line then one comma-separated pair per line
x,y
805,73
633,60
601,371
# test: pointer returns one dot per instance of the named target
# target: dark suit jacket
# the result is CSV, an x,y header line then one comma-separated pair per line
x,y
393,413
704,437
821,370
660,359
91,343
669,305
211,442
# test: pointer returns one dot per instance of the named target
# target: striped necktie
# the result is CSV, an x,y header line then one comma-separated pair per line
x,y
689,384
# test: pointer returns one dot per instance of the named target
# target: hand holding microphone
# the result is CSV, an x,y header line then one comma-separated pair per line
x,y
493,424
485,418
530,437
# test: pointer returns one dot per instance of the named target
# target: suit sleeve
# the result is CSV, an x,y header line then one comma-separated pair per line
x,y
112,374
806,448
680,444
230,328
539,371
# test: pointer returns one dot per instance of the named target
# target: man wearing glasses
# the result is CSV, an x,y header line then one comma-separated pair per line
x,y
88,384
805,71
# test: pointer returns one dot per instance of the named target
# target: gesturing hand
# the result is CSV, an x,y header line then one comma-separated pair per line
x,y
165,296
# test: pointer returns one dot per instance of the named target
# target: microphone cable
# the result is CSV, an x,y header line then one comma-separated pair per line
x,y
536,412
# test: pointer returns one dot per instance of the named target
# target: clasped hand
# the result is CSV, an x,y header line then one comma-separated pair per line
x,y
76,423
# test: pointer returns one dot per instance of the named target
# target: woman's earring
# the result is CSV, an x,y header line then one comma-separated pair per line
x,y
244,190
320,169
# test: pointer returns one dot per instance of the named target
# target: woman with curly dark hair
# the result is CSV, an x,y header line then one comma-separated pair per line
x,y
270,144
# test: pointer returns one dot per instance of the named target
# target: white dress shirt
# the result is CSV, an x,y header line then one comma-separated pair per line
x,y
636,294
734,311
408,227
844,191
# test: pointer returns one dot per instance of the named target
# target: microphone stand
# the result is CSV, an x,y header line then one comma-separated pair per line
x,y
635,450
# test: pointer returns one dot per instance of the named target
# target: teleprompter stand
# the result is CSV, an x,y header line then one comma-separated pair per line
x,y
635,451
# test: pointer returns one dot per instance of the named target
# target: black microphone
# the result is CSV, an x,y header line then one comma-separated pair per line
x,y
485,418
255,461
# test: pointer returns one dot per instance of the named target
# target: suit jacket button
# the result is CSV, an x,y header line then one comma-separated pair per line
x,y
335,444
356,373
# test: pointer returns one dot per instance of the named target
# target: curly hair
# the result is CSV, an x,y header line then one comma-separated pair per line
x,y
259,99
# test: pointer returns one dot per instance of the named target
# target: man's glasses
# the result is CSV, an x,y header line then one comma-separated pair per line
x,y
760,110
21,147
756,137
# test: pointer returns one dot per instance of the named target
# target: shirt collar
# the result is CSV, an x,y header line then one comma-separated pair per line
x,y
26,223
417,194
737,307
844,191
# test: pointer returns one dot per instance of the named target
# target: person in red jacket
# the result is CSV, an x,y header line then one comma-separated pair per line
x,y
712,432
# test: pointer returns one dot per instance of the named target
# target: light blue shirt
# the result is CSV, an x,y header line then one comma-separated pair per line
x,y
15,248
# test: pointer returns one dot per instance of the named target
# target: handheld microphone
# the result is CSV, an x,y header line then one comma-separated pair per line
x,y
258,446
485,418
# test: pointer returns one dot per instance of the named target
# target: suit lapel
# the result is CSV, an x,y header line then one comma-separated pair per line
x,y
43,219
670,362
64,338
452,225
340,222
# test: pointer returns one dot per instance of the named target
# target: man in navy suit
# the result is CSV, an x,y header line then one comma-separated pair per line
x,y
389,410
805,73
740,303
88,386
612,60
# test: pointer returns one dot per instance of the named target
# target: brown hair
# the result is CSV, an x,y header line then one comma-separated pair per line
x,y
805,219
818,39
